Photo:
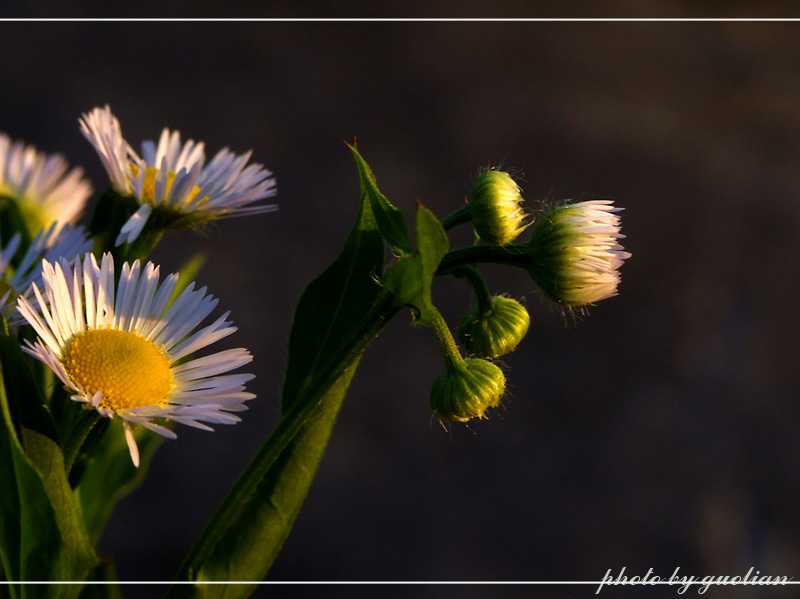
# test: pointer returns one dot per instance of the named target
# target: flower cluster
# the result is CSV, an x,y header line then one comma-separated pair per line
x,y
91,333
573,255
122,342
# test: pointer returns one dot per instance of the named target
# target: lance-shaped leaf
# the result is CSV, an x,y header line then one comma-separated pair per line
x,y
108,473
338,315
42,533
391,222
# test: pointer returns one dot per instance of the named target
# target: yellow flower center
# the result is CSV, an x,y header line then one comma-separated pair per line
x,y
149,186
129,370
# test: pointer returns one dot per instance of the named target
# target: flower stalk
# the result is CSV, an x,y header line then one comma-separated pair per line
x,y
482,295
452,356
459,216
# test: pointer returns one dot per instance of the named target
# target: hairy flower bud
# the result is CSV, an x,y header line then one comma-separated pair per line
x,y
495,332
575,255
495,208
468,390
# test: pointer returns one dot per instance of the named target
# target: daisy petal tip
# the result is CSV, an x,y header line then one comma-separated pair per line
x,y
132,447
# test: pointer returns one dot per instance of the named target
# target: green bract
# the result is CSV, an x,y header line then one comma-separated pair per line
x,y
467,390
496,332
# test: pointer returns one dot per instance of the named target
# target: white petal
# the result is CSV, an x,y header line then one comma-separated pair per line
x,y
132,447
131,229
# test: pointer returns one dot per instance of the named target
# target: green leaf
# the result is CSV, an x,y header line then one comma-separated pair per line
x,y
340,312
109,474
42,534
391,222
410,279
332,306
432,245
404,280
105,573
264,523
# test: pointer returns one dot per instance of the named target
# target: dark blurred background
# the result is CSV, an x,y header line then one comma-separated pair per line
x,y
659,431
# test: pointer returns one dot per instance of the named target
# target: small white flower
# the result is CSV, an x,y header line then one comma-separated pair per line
x,y
173,179
43,189
124,350
51,244
576,254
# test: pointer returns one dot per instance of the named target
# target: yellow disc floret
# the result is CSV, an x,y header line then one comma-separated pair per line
x,y
129,370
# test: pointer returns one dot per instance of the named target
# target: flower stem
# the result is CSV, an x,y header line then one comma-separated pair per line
x,y
452,356
457,217
511,255
141,247
474,278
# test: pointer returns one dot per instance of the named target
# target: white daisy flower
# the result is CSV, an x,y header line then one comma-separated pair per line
x,y
171,180
124,350
575,253
51,244
43,189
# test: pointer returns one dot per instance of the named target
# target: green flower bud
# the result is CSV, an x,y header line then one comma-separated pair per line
x,y
495,332
467,390
495,208
574,253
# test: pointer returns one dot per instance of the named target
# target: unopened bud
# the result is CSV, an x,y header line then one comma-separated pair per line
x,y
468,390
497,331
495,207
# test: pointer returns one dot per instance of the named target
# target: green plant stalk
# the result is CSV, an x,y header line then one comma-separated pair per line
x,y
458,216
287,428
511,255
474,278
140,248
452,356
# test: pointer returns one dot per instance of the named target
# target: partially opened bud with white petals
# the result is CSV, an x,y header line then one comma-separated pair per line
x,y
574,254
